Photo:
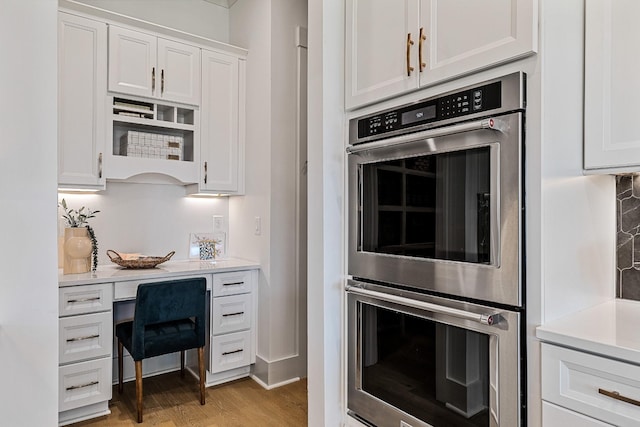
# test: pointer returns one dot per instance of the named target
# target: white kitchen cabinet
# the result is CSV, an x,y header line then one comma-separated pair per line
x,y
233,331
598,389
148,140
82,90
146,65
395,47
557,416
85,338
222,130
611,137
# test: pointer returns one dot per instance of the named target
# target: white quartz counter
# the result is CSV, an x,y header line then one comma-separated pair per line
x,y
115,273
610,329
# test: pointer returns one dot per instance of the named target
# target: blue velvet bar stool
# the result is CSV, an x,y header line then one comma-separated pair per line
x,y
169,317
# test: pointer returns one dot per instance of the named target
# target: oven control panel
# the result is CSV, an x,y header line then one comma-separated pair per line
x,y
474,100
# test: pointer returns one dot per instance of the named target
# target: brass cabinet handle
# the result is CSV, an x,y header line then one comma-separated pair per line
x,y
100,166
75,387
205,172
153,79
423,37
409,43
232,352
162,82
85,338
618,396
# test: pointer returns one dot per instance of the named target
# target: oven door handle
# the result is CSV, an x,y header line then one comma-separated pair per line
x,y
490,319
491,124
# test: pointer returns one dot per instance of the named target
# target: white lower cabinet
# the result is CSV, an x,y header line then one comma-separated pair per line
x,y
590,388
85,342
233,337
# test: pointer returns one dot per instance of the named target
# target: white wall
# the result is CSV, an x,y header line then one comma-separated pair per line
x,y
192,16
271,179
150,219
326,139
28,283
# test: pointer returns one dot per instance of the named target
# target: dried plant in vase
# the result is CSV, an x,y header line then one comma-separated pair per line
x,y
76,248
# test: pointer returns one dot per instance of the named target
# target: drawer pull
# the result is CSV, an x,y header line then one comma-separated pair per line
x,y
73,301
617,396
86,337
233,284
75,387
237,313
226,353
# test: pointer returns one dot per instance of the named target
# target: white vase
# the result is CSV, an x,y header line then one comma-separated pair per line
x,y
77,250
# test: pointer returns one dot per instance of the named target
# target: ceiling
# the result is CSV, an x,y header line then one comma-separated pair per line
x,y
224,3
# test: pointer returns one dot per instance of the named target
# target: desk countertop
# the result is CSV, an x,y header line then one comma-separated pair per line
x,y
610,329
114,273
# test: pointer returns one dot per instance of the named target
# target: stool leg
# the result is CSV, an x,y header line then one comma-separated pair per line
x,y
120,366
139,389
201,372
182,363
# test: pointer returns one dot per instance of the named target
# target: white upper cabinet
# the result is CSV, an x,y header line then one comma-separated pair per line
x,y
82,89
611,134
222,124
395,47
145,65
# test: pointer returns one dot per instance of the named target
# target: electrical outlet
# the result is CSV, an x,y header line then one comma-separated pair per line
x,y
218,223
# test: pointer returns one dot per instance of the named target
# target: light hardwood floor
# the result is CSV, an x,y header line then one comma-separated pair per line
x,y
171,401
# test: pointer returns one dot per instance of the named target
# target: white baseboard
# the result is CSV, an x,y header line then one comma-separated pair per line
x,y
272,386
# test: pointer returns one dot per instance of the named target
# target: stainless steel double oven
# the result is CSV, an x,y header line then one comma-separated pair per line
x,y
435,298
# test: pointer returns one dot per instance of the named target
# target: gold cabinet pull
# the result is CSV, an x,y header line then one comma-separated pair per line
x,y
153,79
409,43
100,166
237,313
617,396
205,172
226,353
162,82
423,37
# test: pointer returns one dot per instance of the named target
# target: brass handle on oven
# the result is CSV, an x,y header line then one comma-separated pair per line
x,y
409,43
617,396
423,37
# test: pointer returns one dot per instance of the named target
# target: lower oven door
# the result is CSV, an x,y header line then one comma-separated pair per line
x,y
416,360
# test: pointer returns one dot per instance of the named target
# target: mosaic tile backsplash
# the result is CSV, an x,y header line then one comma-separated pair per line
x,y
628,236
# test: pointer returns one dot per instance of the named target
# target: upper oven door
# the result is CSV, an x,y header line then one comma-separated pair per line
x,y
440,210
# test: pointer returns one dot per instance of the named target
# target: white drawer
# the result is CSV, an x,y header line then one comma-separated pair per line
x,y
230,351
85,299
230,314
577,381
232,283
556,416
84,383
85,337
126,289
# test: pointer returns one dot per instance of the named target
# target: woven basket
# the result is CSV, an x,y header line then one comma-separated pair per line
x,y
142,262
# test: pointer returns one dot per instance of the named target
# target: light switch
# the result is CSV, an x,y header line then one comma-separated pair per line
x,y
258,226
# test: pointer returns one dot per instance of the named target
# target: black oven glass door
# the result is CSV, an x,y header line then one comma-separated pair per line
x,y
436,372
433,206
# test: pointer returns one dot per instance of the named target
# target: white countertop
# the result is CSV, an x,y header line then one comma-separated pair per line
x,y
610,329
115,273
